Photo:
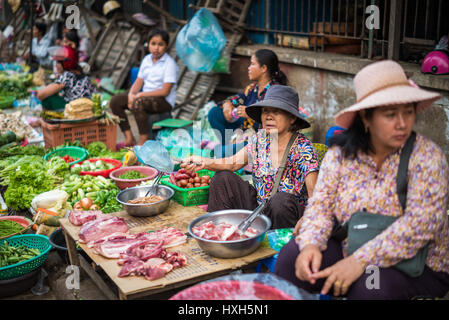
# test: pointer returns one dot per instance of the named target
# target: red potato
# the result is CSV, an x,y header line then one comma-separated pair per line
x,y
197,185
183,182
189,185
191,181
204,185
197,180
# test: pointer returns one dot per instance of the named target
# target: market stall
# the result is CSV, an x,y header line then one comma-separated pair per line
x,y
200,266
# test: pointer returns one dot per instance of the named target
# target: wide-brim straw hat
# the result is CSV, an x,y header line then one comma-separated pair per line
x,y
280,97
384,83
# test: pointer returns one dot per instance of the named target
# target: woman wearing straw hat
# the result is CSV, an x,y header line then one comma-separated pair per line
x,y
279,115
361,173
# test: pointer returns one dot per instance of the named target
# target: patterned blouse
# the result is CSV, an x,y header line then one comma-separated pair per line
x,y
345,186
75,86
300,162
250,96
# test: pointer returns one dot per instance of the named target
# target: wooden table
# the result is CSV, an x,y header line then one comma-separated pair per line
x,y
200,266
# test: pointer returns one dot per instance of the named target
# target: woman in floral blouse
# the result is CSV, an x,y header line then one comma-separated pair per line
x,y
359,172
230,114
279,115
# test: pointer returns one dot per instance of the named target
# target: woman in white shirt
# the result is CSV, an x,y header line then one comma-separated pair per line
x,y
153,92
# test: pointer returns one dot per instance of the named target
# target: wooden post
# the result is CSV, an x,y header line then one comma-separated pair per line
x,y
394,37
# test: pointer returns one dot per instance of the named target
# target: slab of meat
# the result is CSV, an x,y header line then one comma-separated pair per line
x,y
222,232
79,217
101,227
150,259
171,236
113,245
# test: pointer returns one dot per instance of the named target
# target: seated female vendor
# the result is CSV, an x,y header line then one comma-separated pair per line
x,y
278,113
359,173
71,85
230,115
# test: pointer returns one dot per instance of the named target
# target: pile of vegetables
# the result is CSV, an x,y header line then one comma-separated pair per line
x,y
186,179
87,166
11,255
132,175
8,227
102,191
15,85
68,158
99,150
22,151
29,176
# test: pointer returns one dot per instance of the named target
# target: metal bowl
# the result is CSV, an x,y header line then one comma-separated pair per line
x,y
145,210
234,248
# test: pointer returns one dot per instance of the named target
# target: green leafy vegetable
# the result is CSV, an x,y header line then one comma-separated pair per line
x,y
132,175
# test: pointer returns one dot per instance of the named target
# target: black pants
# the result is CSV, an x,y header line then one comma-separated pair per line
x,y
229,191
393,284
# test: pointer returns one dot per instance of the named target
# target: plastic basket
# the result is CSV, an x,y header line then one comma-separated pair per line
x,y
34,241
184,152
74,152
87,132
6,102
104,173
192,196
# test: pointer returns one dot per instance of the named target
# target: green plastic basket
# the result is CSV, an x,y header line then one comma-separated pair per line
x,y
74,152
34,241
6,102
184,152
192,196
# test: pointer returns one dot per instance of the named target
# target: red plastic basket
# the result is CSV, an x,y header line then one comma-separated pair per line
x,y
86,132
231,290
104,173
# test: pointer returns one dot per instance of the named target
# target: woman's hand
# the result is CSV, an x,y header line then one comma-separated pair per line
x,y
227,111
193,163
241,112
307,263
131,98
340,275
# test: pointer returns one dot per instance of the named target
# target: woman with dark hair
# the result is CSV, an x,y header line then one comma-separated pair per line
x,y
153,92
230,113
389,186
284,163
72,83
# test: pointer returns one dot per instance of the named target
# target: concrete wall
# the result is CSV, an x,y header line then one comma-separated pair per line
x,y
324,91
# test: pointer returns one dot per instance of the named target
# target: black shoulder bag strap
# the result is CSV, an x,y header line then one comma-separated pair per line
x,y
402,179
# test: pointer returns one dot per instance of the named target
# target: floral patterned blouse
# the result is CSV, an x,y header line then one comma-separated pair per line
x,y
76,86
302,160
250,96
345,186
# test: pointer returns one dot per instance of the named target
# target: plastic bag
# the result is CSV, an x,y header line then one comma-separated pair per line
x,y
252,286
200,42
154,154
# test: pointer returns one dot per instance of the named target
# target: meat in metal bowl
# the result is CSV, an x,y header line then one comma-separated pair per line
x,y
147,209
231,248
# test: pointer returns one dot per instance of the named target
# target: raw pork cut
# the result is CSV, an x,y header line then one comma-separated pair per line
x,y
113,245
101,227
79,217
222,232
